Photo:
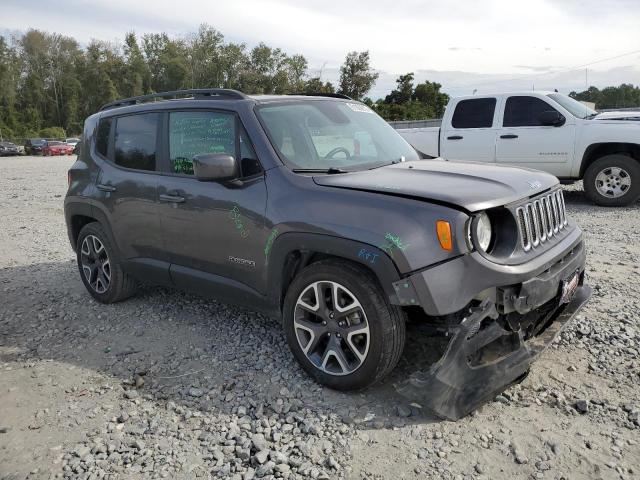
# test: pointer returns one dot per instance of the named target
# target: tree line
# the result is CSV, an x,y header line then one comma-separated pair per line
x,y
49,83
622,96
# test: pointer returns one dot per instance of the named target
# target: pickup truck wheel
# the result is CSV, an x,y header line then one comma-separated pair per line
x,y
340,326
99,267
613,180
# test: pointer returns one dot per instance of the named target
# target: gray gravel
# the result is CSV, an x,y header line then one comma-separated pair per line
x,y
169,385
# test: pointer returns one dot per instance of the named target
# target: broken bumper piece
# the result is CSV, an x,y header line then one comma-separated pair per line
x,y
483,358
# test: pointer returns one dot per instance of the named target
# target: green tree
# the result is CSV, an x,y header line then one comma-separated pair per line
x,y
429,95
167,61
203,52
404,90
622,96
137,80
316,85
356,75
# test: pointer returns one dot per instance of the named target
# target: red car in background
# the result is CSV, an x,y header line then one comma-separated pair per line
x,y
54,147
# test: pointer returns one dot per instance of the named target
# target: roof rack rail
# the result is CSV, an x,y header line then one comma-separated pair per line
x,y
198,93
320,94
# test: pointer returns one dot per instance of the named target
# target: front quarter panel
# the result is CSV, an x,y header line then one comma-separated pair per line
x,y
403,229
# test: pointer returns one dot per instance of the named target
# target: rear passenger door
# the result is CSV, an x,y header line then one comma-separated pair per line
x,y
214,232
126,148
524,141
470,133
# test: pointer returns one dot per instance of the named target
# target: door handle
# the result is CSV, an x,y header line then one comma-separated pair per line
x,y
454,137
171,198
106,188
510,135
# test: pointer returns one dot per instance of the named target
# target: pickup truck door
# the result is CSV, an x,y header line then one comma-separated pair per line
x,y
470,133
524,141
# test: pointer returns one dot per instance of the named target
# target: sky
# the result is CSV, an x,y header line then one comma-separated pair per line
x,y
466,45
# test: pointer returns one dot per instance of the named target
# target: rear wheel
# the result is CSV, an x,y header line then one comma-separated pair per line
x,y
340,326
100,268
613,180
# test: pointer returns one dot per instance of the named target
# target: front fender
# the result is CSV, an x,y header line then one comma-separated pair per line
x,y
369,256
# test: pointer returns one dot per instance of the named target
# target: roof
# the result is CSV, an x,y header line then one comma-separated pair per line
x,y
526,93
210,94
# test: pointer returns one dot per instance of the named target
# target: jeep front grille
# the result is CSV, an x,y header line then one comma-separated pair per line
x,y
541,219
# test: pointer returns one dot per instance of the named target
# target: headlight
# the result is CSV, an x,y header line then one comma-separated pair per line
x,y
483,231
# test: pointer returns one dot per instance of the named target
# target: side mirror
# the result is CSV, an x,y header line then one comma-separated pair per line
x,y
215,167
552,117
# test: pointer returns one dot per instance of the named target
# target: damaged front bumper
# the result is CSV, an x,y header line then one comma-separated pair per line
x,y
485,356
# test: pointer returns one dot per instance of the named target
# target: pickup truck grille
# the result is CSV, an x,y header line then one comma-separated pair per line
x,y
541,219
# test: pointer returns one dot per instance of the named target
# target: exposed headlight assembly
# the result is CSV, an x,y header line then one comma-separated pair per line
x,y
482,232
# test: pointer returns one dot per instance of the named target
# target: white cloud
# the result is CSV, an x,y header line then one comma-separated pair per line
x,y
486,38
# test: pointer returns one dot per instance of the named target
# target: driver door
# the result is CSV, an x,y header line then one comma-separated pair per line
x,y
525,142
213,231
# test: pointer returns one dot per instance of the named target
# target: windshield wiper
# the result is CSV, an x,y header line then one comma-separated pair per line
x,y
329,170
392,162
591,115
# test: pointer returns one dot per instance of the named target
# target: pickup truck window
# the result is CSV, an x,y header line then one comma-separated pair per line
x,y
576,108
474,113
524,111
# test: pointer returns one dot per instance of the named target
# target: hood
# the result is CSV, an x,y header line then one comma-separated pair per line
x,y
619,115
469,185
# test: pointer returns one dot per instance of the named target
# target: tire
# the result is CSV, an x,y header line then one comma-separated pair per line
x,y
111,288
382,345
619,175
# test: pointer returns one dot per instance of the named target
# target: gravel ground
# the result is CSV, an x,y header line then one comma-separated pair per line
x,y
169,385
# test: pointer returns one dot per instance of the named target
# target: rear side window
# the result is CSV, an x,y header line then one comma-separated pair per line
x,y
102,136
193,133
524,111
135,141
474,113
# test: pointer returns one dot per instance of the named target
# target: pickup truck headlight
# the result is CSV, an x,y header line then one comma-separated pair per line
x,y
483,231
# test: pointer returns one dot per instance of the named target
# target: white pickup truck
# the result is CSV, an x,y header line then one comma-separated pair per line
x,y
542,130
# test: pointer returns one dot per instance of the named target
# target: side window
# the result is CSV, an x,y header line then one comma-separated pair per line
x,y
135,141
102,136
524,111
249,164
474,113
192,133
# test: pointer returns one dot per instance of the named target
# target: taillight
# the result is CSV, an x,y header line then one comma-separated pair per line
x,y
68,178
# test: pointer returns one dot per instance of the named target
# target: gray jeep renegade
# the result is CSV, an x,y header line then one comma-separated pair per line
x,y
312,209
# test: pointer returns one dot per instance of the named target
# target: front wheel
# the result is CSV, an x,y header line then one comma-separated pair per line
x,y
340,326
613,180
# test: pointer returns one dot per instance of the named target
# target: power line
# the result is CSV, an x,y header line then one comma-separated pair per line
x,y
524,77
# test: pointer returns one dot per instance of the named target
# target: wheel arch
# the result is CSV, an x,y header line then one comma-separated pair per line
x,y
291,252
598,150
80,213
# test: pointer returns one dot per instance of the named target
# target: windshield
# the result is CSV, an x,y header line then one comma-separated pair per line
x,y
574,107
37,141
326,134
50,143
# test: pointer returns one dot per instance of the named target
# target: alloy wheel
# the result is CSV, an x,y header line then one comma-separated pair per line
x,y
95,263
331,328
613,182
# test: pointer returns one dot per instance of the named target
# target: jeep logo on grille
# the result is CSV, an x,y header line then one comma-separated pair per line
x,y
534,185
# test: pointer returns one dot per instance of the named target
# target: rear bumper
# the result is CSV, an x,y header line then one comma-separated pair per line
x,y
475,367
